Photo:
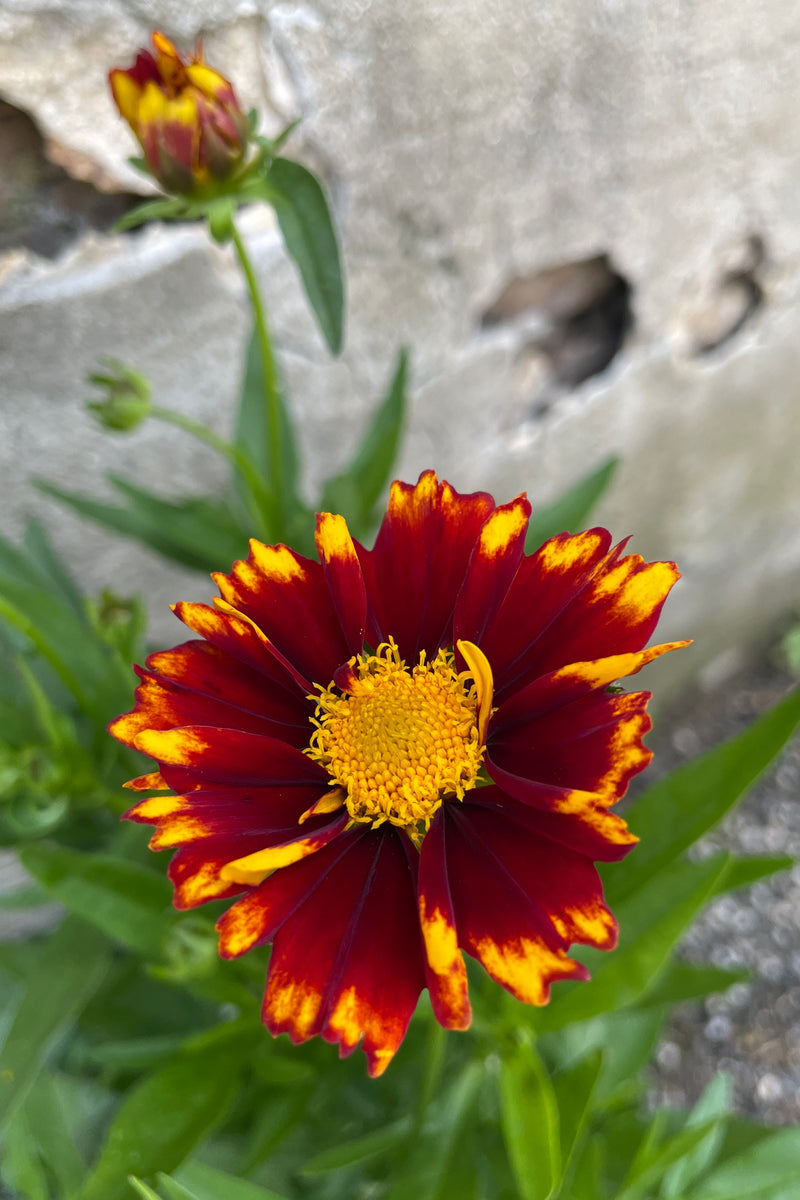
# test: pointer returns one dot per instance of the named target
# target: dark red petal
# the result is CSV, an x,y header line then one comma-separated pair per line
x,y
492,566
347,959
188,699
545,584
272,813
520,900
343,576
287,597
414,573
593,744
578,820
445,970
557,688
240,640
574,601
204,756
195,871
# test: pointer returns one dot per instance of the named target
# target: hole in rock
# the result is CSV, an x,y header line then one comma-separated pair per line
x,y
572,321
43,206
723,305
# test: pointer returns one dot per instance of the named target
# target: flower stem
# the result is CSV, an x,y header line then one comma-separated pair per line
x,y
272,397
226,449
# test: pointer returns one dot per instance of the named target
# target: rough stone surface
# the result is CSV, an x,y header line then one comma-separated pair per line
x,y
462,146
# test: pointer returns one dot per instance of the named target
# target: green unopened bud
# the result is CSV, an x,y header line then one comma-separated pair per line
x,y
128,397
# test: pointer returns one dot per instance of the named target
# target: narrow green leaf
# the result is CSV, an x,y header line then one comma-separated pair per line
x,y
251,437
424,1171
150,210
194,532
142,1189
570,513
128,902
679,809
355,491
772,1163
650,925
47,1122
360,1149
681,981
68,969
308,232
743,871
209,1183
529,1118
22,1167
40,550
164,1116
714,1102
651,1169
574,1090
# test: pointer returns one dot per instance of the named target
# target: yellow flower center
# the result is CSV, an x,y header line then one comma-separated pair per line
x,y
399,741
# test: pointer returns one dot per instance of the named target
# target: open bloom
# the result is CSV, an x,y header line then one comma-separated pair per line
x,y
395,755
185,115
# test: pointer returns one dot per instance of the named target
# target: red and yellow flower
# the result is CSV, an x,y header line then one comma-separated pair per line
x,y
184,114
399,754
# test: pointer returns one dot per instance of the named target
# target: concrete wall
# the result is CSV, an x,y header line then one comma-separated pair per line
x,y
463,145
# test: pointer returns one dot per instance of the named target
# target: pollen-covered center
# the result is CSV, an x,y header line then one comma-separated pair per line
x,y
399,740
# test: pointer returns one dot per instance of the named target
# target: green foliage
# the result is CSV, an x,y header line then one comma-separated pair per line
x,y
570,512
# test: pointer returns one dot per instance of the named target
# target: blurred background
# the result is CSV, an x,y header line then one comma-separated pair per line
x,y
581,218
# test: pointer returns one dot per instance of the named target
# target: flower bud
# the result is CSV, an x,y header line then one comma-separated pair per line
x,y
185,116
128,399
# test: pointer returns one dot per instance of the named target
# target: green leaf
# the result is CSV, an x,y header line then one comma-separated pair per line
x,y
164,1116
714,1102
151,210
310,239
743,871
679,809
208,1183
770,1164
570,513
22,1166
424,1172
649,1169
360,1149
194,531
142,1189
53,572
252,439
47,1123
574,1090
681,981
68,969
128,902
650,925
355,491
530,1123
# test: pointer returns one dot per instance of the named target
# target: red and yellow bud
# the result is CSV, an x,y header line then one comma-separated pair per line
x,y
185,115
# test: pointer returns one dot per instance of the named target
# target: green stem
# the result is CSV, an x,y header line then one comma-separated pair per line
x,y
272,398
227,449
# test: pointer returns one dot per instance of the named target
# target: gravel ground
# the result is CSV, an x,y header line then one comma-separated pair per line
x,y
752,1030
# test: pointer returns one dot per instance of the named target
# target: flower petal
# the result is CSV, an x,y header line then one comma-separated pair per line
x,y
198,684
240,639
414,573
445,970
195,871
344,578
287,597
578,820
272,813
573,601
520,900
253,868
492,566
202,756
347,958
593,744
560,687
